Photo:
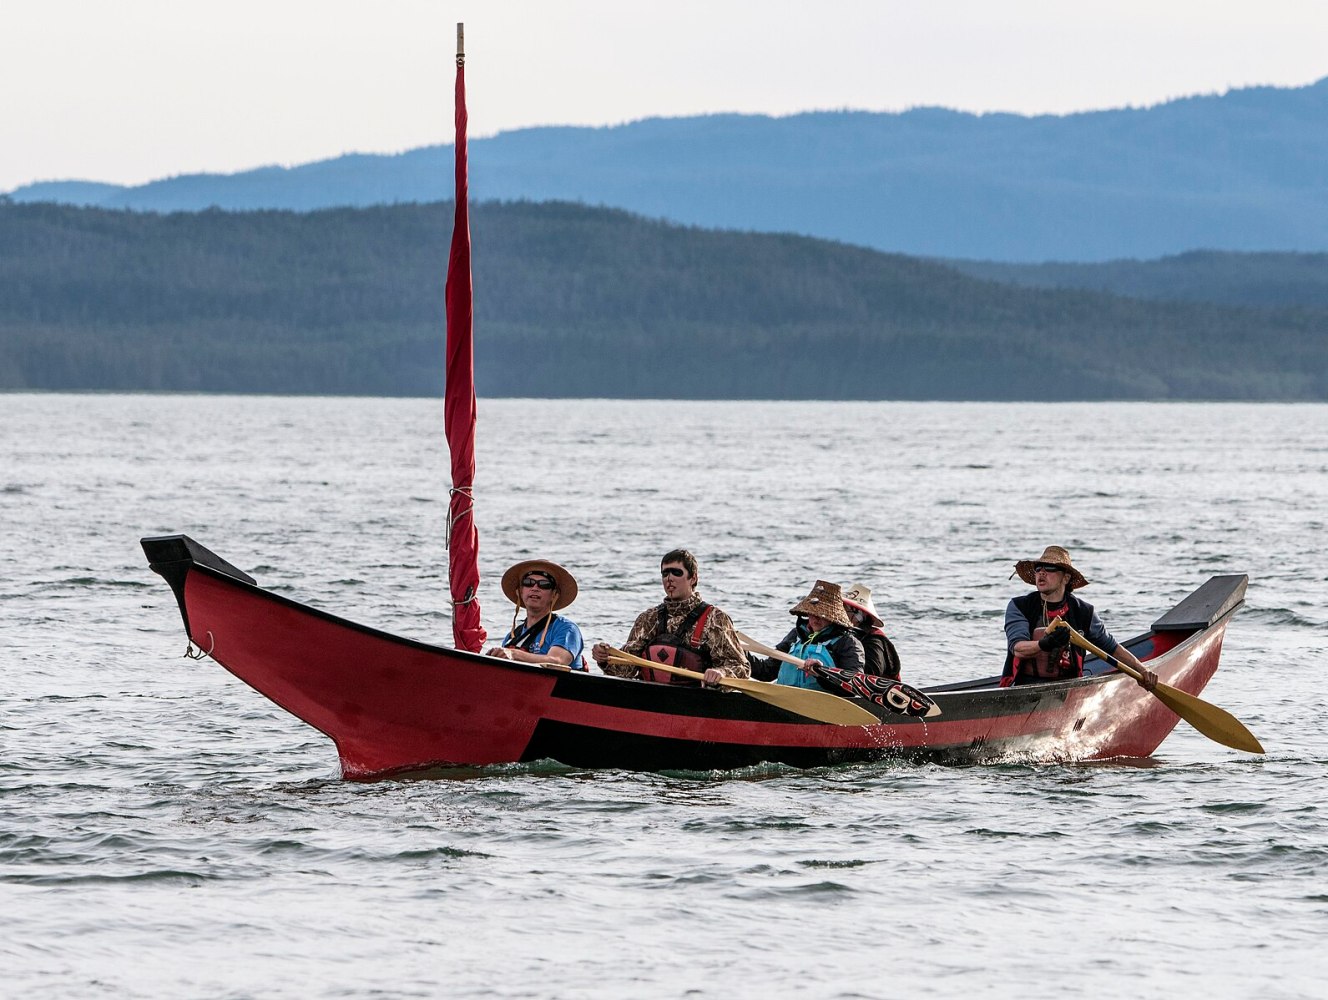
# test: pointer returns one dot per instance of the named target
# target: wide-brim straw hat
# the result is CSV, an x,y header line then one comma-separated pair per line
x,y
826,602
1052,555
858,595
563,581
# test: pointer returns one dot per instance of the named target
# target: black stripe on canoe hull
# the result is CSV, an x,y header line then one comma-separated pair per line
x,y
591,747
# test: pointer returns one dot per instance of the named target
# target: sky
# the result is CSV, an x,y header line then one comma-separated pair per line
x,y
136,90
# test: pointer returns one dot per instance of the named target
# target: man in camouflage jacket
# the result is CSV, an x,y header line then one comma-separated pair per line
x,y
719,646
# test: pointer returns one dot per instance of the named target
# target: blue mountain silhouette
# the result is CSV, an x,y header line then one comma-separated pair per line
x,y
1244,170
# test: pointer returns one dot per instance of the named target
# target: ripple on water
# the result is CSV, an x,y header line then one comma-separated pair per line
x,y
156,808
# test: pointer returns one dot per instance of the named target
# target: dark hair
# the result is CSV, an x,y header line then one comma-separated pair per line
x,y
681,556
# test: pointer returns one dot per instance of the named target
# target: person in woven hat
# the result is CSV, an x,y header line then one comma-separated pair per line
x,y
1034,655
541,588
684,632
881,658
822,635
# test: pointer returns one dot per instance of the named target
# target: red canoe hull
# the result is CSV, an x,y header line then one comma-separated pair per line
x,y
393,705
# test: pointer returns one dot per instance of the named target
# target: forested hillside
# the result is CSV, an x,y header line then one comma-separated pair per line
x,y
1249,279
572,301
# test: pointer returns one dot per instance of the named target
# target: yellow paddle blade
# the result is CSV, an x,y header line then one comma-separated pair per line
x,y
1217,724
819,705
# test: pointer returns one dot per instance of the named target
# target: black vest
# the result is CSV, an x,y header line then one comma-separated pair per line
x,y
1078,614
881,658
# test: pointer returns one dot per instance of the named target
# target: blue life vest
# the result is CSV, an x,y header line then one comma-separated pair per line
x,y
806,649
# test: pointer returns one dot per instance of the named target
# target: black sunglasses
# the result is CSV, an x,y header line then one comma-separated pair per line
x,y
1045,568
534,581
672,571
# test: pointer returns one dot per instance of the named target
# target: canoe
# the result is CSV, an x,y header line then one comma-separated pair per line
x,y
394,706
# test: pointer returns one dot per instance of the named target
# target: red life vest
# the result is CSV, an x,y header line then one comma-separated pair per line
x,y
678,649
1063,663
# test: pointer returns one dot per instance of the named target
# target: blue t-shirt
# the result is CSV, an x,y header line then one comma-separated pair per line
x,y
561,632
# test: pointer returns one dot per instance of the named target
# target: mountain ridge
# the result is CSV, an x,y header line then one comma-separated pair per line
x,y
1244,170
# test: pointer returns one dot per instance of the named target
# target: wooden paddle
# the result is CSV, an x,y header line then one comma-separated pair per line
x,y
911,693
526,663
1215,723
759,647
818,705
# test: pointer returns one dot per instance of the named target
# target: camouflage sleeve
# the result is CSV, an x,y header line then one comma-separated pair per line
x,y
643,629
721,640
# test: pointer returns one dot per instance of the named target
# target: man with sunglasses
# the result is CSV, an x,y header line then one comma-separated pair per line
x,y
684,631
1035,655
540,588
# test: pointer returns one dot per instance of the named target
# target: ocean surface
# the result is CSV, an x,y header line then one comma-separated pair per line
x,y
166,832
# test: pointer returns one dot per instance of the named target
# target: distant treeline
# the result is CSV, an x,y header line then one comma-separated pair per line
x,y
1223,277
575,301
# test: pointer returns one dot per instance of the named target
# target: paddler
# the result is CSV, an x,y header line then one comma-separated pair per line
x,y
684,631
1034,654
541,588
881,658
822,636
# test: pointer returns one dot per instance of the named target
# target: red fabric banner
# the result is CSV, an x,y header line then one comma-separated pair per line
x,y
459,407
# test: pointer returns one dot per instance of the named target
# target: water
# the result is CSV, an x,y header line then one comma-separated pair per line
x,y
166,832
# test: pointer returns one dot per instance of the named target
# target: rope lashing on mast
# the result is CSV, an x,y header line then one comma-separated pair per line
x,y
467,492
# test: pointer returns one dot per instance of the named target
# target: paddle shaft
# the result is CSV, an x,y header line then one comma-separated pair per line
x,y
817,705
759,647
668,668
1083,643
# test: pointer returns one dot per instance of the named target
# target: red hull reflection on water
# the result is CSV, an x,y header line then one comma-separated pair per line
x,y
393,705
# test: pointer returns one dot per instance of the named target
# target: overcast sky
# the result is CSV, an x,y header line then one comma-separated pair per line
x,y
133,90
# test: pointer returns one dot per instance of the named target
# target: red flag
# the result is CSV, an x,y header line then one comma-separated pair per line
x,y
463,539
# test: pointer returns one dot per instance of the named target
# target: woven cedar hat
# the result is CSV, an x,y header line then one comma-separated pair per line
x,y
563,581
1052,555
858,595
826,602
